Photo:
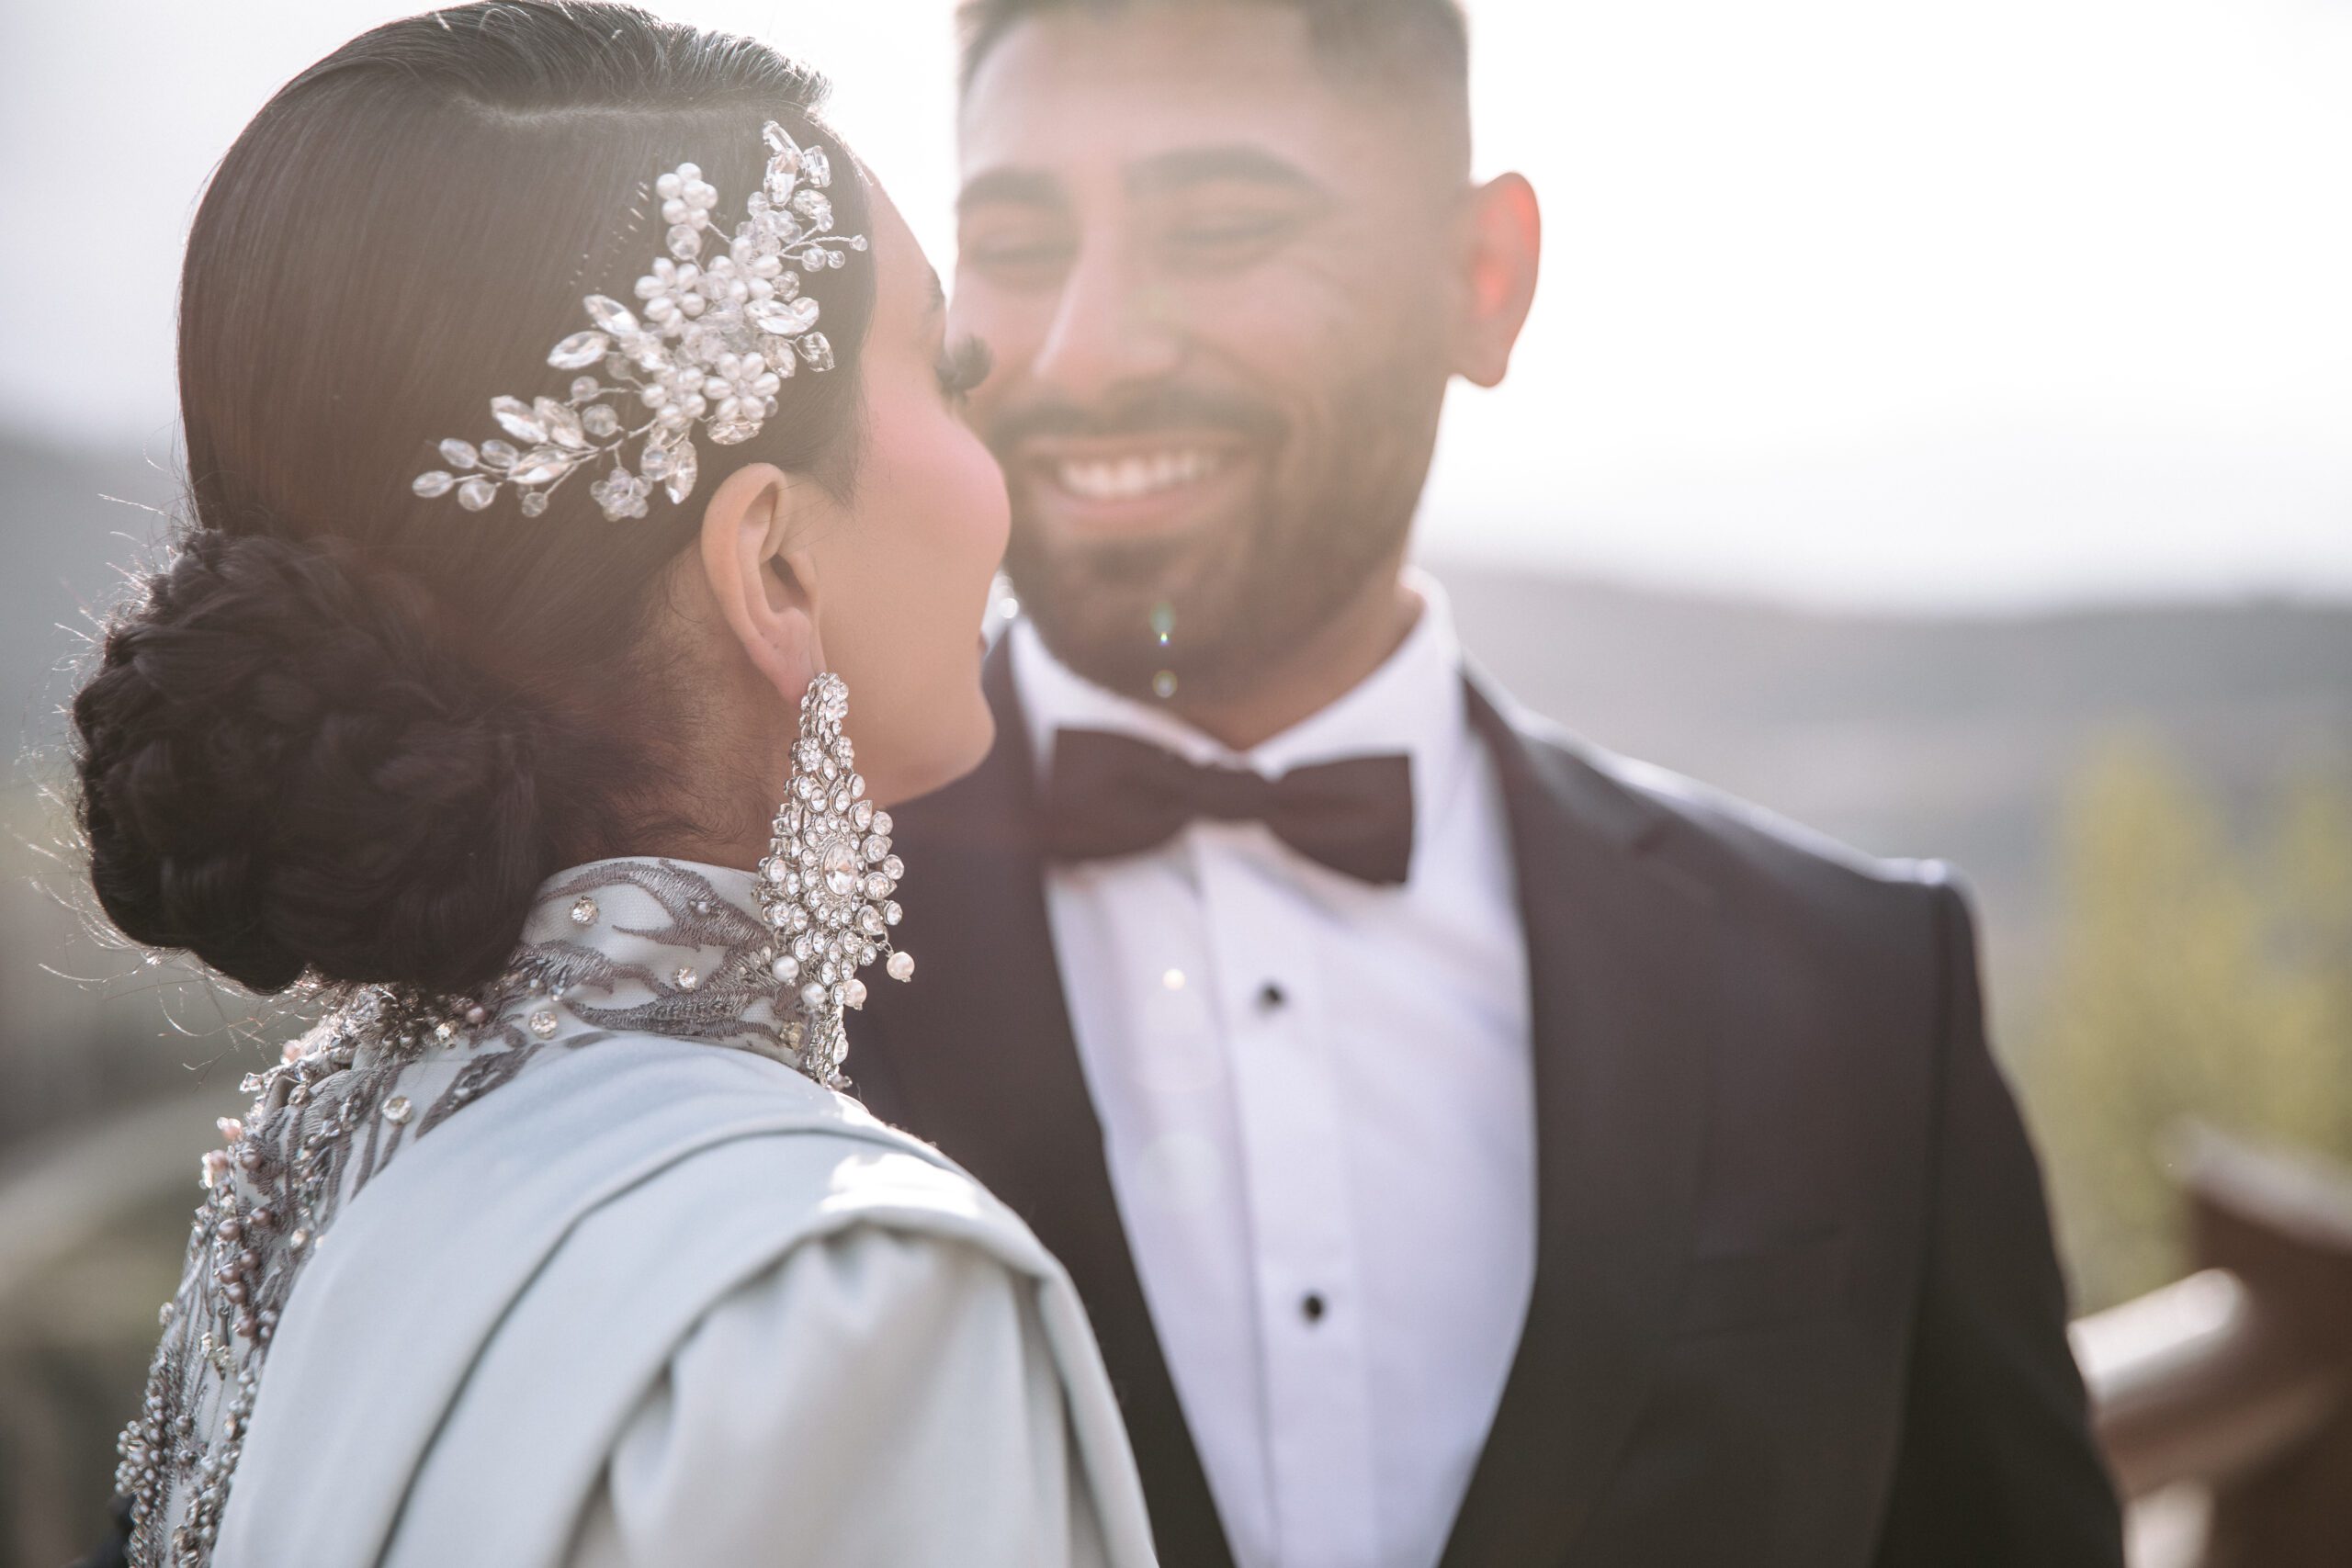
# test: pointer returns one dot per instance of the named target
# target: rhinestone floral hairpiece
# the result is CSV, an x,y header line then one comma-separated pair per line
x,y
718,339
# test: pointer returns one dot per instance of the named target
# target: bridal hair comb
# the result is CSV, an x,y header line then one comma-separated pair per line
x,y
715,340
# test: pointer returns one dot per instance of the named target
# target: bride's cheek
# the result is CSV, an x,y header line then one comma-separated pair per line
x,y
963,501
981,501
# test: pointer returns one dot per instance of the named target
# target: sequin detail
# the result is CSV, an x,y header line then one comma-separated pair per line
x,y
381,1070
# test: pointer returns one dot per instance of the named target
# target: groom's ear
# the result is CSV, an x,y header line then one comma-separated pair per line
x,y
1501,241
755,559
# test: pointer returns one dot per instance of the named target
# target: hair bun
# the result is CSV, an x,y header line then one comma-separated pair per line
x,y
283,770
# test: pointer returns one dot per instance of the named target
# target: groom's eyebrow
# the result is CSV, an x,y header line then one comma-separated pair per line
x,y
1163,174
1167,173
1012,187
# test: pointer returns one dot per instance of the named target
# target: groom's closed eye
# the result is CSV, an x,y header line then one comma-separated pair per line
x,y
1222,235
1022,253
1015,228
1210,208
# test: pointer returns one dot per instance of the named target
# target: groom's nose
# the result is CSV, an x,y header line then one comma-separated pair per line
x,y
1111,325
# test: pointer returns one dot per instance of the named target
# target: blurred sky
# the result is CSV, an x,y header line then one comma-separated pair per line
x,y
1985,302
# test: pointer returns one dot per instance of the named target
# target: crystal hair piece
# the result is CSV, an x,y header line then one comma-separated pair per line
x,y
716,340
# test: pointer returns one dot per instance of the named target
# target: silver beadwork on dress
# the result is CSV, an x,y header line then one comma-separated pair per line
x,y
825,887
323,1120
717,339
620,947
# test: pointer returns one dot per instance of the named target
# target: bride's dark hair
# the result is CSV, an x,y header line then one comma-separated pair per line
x,y
347,731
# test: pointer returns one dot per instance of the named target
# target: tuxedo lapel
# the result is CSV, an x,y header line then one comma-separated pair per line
x,y
977,1056
1624,980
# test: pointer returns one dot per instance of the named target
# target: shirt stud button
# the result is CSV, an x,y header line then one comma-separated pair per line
x,y
1312,1308
1271,997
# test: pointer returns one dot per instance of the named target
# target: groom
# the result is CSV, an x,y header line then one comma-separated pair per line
x,y
1472,1148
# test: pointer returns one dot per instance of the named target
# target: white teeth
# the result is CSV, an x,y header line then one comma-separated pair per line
x,y
1130,477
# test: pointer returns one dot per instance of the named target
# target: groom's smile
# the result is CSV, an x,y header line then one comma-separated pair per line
x,y
1127,487
1166,465
1162,463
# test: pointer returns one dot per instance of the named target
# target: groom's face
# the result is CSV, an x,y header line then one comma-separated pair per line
x,y
1212,266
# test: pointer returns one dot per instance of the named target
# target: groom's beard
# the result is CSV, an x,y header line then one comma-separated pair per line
x,y
1240,592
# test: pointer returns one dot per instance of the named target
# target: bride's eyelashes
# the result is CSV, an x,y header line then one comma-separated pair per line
x,y
963,364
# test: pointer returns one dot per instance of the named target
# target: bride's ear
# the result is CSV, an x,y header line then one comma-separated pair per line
x,y
754,557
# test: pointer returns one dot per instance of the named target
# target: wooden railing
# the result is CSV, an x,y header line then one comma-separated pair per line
x,y
2224,1399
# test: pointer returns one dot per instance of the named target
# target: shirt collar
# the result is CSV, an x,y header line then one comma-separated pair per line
x,y
1412,703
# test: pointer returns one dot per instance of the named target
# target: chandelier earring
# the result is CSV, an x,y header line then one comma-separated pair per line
x,y
827,883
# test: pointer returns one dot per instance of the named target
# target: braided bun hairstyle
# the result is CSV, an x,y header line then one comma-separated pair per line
x,y
274,754
346,732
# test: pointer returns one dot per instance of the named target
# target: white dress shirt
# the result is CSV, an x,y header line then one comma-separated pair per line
x,y
1318,1109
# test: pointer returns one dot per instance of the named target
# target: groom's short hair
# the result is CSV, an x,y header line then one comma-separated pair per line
x,y
1428,40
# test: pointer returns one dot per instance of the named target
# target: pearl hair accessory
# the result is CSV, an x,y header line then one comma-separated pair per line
x,y
824,888
717,341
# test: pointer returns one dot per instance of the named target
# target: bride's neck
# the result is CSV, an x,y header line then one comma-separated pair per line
x,y
721,789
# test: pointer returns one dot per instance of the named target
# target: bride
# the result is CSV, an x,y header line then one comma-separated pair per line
x,y
570,444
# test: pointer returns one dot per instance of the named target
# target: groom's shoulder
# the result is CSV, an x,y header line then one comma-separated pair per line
x,y
1740,853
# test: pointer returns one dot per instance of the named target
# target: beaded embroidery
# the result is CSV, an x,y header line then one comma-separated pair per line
x,y
624,946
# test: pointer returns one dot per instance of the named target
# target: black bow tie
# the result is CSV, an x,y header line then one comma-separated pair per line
x,y
1111,794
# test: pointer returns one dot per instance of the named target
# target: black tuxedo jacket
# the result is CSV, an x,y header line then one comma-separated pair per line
x,y
1795,1301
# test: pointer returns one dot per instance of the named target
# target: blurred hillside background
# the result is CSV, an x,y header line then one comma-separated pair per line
x,y
1936,425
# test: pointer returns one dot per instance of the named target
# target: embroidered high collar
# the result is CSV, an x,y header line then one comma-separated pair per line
x,y
668,947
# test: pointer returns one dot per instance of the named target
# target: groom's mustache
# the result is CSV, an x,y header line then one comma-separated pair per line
x,y
1148,410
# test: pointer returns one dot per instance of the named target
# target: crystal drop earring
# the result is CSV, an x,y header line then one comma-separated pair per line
x,y
825,887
